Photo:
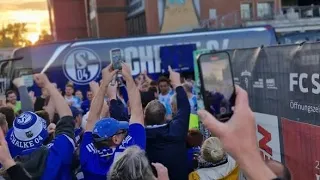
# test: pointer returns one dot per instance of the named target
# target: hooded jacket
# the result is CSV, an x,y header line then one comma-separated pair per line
x,y
226,170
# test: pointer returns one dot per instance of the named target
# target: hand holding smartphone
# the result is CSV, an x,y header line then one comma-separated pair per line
x,y
216,84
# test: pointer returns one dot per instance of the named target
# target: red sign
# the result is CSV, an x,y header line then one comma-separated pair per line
x,y
301,149
263,142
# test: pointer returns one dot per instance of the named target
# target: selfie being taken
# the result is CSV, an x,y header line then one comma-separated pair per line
x,y
159,90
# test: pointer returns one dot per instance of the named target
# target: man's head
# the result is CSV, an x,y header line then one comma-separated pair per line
x,y
9,113
146,97
79,94
279,169
109,132
3,123
44,115
11,97
155,113
194,138
77,115
69,90
89,95
164,85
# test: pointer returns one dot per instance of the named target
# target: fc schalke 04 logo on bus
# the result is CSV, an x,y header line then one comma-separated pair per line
x,y
81,66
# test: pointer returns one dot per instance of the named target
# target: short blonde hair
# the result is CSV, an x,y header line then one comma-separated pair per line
x,y
212,150
131,164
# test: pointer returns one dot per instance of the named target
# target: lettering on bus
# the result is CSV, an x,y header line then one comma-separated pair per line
x,y
143,58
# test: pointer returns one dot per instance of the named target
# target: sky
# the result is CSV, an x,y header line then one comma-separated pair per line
x,y
32,12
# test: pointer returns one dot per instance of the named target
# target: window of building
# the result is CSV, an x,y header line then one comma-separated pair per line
x,y
137,25
212,13
246,11
265,10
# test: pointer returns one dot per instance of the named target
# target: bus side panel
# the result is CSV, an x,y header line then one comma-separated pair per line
x,y
81,62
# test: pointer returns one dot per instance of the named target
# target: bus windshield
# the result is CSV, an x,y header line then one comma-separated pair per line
x,y
5,69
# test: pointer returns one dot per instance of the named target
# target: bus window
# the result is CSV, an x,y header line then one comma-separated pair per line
x,y
23,66
5,69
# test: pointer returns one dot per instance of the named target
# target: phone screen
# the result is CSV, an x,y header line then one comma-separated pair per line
x,y
116,58
218,89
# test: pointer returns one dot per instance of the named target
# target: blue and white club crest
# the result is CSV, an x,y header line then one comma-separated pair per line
x,y
81,66
29,134
24,118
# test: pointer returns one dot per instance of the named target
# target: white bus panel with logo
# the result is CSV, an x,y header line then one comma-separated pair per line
x,y
81,61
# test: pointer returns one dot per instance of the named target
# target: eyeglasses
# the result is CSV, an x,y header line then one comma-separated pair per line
x,y
97,138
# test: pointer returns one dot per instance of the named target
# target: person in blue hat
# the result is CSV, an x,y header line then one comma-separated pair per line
x,y
29,132
107,138
52,161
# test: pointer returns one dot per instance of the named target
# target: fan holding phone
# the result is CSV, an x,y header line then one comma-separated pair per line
x,y
217,86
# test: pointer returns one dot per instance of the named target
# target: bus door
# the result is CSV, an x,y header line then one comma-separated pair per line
x,y
5,68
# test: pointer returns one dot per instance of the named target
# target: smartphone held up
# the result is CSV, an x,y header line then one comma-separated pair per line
x,y
217,90
116,57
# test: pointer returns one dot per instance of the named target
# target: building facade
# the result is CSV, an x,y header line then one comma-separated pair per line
x,y
67,19
71,19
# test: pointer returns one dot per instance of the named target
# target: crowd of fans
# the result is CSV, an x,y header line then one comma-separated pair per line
x,y
138,129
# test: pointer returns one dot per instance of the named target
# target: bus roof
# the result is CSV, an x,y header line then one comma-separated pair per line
x,y
78,42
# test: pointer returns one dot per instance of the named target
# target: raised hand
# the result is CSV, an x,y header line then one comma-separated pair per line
x,y
31,94
94,87
174,78
240,126
5,157
107,74
51,128
18,82
41,80
238,136
162,171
